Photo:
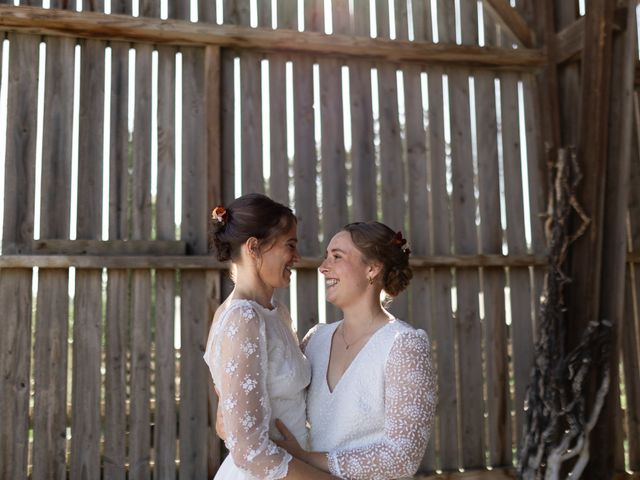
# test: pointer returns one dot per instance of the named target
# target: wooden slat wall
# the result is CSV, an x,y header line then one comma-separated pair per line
x,y
407,188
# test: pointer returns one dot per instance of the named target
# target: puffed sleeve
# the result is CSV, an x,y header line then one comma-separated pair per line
x,y
242,369
410,402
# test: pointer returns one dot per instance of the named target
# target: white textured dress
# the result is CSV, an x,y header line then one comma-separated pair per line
x,y
261,374
377,421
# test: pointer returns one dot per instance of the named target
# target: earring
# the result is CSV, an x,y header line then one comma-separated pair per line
x,y
370,280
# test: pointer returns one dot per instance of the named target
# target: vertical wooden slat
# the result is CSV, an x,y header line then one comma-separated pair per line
x,y
251,123
288,14
264,14
421,13
236,12
519,284
631,326
15,285
493,279
139,431
334,175
87,322
419,216
117,315
363,169
193,372
443,329
50,372
467,286
465,243
392,157
206,11
228,129
164,441
446,21
305,191
212,91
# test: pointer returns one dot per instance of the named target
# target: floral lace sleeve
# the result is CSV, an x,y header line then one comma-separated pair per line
x,y
241,360
410,401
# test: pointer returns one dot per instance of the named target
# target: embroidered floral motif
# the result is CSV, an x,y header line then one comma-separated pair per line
x,y
248,347
232,330
230,442
229,404
248,421
231,367
248,313
248,384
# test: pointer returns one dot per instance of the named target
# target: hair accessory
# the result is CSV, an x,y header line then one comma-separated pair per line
x,y
398,239
219,215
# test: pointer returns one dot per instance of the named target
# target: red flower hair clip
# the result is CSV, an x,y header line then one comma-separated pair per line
x,y
219,214
400,241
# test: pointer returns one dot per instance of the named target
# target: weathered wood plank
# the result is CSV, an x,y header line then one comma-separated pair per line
x,y
279,160
467,282
493,280
193,372
334,184
118,307
443,328
510,20
251,123
165,414
140,383
87,321
180,32
392,164
305,190
288,14
51,339
52,246
519,282
609,430
213,284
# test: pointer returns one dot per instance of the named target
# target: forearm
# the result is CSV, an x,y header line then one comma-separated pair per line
x,y
303,470
317,459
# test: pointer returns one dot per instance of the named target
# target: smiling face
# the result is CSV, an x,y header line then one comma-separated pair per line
x,y
278,257
345,271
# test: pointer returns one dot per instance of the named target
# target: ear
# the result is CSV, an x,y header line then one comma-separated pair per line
x,y
252,247
374,269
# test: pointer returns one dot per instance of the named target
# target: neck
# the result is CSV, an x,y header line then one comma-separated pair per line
x,y
365,314
250,286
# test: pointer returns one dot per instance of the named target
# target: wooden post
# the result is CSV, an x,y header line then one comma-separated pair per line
x,y
607,448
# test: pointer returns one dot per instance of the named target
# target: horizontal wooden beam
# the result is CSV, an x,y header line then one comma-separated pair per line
x,y
67,23
509,18
209,262
99,247
570,41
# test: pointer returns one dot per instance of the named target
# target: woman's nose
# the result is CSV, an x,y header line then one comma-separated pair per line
x,y
322,268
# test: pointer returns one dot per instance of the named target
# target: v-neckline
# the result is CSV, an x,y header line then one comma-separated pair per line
x,y
326,373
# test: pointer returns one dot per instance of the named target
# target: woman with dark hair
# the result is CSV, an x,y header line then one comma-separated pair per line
x,y
372,396
253,355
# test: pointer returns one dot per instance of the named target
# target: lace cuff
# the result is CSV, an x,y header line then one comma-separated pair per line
x,y
334,465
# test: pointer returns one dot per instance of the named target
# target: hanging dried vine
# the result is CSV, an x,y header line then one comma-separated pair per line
x,y
557,423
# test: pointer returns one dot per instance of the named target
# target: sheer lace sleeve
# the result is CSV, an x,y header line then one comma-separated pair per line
x,y
243,395
410,401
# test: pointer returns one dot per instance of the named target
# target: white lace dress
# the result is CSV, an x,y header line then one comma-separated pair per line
x,y
376,422
261,374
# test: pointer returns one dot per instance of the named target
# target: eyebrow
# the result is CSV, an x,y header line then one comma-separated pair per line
x,y
336,250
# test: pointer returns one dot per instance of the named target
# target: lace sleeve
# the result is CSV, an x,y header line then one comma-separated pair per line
x,y
244,398
410,401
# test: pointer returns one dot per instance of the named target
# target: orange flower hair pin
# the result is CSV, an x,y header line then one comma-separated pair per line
x,y
219,215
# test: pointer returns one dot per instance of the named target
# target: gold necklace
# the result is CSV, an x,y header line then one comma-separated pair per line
x,y
355,341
